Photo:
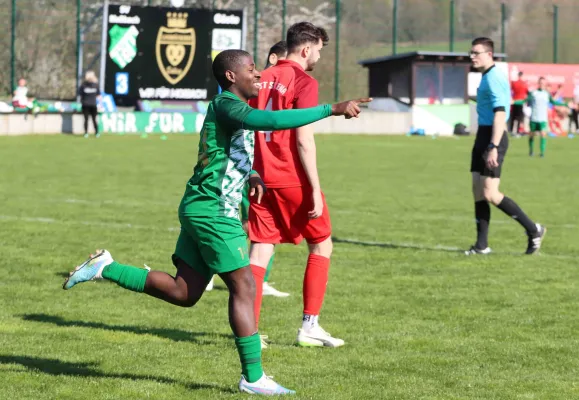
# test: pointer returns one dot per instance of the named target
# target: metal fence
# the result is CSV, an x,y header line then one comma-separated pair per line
x,y
48,36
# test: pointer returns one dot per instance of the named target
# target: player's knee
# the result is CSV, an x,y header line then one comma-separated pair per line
x,y
187,299
189,302
492,196
243,286
323,249
260,254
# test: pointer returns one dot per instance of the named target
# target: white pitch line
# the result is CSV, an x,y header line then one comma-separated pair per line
x,y
434,217
351,241
114,225
173,205
123,203
437,247
129,203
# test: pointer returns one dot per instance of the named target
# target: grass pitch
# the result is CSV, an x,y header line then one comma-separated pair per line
x,y
421,320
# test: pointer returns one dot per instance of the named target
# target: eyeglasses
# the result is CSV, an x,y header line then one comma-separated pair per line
x,y
476,53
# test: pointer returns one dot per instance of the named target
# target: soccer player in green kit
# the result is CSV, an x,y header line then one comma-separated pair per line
x,y
539,101
277,52
212,240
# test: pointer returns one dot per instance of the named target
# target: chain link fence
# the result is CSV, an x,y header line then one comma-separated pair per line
x,y
46,37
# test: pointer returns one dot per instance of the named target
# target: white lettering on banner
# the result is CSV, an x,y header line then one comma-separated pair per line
x,y
109,122
130,123
119,122
163,122
225,19
124,19
166,122
172,93
162,92
178,122
124,9
147,93
152,123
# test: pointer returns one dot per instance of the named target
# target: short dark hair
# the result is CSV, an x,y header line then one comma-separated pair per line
x,y
520,73
227,60
486,42
305,32
279,49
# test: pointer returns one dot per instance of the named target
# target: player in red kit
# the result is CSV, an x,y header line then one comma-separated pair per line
x,y
294,207
519,93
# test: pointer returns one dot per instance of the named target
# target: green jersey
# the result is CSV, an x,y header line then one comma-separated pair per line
x,y
225,153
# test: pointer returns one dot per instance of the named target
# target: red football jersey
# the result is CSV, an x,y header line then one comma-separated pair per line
x,y
519,90
283,86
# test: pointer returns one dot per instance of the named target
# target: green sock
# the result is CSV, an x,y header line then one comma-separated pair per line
x,y
531,144
249,349
269,266
127,276
543,144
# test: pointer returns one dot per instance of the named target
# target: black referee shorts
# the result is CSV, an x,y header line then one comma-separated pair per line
x,y
479,152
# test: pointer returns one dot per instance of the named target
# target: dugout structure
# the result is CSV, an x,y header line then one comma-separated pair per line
x,y
421,77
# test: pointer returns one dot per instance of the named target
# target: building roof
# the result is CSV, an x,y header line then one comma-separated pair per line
x,y
417,54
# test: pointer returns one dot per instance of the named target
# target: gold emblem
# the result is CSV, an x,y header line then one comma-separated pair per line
x,y
175,48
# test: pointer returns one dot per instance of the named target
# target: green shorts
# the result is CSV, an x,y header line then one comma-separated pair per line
x,y
212,245
538,126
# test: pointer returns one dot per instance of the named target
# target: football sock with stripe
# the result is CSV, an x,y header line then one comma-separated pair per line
x,y
249,349
512,209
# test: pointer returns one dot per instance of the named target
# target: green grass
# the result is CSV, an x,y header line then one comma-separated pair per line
x,y
421,321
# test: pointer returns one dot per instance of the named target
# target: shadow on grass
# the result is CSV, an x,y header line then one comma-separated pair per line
x,y
390,245
176,335
57,367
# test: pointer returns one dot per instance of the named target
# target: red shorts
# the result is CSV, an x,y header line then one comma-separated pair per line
x,y
282,217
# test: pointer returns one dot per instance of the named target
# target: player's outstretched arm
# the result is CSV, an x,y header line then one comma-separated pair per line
x,y
349,108
261,120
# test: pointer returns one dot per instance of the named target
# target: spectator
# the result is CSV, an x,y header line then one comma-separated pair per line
x,y
20,99
89,94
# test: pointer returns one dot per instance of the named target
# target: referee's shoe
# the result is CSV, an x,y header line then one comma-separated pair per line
x,y
535,241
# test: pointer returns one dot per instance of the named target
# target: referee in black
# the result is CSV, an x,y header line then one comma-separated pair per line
x,y
489,151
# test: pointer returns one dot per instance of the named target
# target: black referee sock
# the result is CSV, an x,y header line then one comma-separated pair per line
x,y
509,207
482,212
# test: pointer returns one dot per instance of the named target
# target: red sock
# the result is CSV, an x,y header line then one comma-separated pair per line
x,y
315,281
258,276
